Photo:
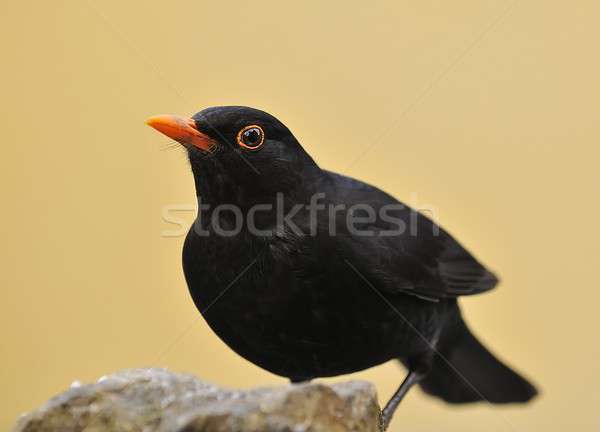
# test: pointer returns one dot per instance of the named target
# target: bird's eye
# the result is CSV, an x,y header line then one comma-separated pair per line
x,y
251,137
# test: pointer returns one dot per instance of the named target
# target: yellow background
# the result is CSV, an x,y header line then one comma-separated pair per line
x,y
487,111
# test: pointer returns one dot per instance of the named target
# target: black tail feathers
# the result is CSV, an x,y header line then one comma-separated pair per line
x,y
474,374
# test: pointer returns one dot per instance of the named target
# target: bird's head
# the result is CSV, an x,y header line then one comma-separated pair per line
x,y
239,153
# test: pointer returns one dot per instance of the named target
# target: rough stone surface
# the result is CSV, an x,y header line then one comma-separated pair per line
x,y
149,400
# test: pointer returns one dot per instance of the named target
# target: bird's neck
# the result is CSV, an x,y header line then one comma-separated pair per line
x,y
219,187
261,204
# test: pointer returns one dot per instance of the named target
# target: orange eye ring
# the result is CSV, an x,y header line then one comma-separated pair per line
x,y
251,137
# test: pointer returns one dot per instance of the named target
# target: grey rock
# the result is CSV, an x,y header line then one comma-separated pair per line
x,y
157,400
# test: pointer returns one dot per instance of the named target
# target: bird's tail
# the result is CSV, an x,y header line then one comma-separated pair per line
x,y
465,371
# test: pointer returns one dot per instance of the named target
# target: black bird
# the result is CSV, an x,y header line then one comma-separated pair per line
x,y
322,292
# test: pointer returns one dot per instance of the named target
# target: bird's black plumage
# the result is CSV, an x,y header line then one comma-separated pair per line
x,y
323,298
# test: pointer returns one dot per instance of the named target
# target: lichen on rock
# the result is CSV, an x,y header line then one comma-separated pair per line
x,y
157,400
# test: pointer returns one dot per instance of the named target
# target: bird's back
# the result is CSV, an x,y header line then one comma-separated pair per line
x,y
402,249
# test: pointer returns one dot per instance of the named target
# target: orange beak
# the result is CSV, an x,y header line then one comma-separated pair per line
x,y
182,130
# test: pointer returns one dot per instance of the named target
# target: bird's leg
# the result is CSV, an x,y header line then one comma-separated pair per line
x,y
411,379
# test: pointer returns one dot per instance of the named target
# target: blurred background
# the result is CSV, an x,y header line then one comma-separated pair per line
x,y
485,111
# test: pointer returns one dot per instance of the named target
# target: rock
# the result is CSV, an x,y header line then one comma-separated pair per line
x,y
159,400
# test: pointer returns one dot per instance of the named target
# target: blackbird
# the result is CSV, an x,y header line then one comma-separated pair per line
x,y
308,273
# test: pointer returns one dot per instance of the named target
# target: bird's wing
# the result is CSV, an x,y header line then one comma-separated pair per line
x,y
418,258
